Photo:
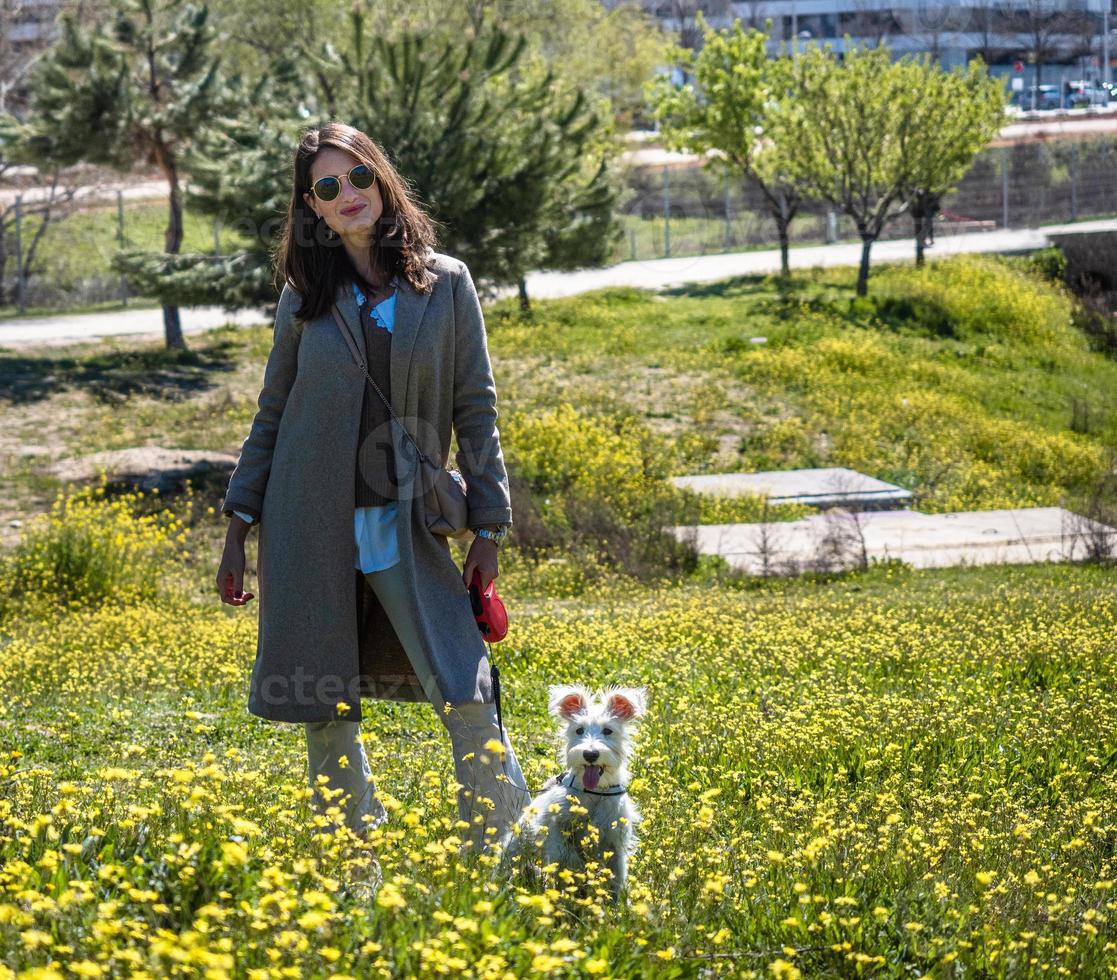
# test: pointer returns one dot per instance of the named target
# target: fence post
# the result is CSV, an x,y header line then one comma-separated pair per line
x,y
1004,187
21,295
632,243
1074,181
216,235
728,233
120,243
666,213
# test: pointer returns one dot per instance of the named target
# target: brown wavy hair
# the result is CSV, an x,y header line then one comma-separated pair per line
x,y
310,255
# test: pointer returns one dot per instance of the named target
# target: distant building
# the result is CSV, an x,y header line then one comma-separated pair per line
x,y
1068,38
28,23
27,29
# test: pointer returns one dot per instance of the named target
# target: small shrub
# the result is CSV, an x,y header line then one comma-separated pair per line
x,y
596,489
88,549
1098,324
1048,263
975,297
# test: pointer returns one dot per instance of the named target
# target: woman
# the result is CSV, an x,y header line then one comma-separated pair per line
x,y
357,596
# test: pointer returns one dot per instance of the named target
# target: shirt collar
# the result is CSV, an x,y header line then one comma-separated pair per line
x,y
359,295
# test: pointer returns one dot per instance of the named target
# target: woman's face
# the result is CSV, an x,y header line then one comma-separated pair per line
x,y
354,212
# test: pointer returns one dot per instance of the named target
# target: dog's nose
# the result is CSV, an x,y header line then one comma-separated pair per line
x,y
590,755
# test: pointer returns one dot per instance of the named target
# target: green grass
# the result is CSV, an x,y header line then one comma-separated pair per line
x,y
83,245
646,238
886,773
903,770
968,414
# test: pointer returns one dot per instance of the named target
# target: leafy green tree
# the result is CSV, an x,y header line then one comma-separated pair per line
x,y
516,176
140,89
876,137
725,110
847,128
959,112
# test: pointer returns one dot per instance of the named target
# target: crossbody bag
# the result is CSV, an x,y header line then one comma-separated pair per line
x,y
444,503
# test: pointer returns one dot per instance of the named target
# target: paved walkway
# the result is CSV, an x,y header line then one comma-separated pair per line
x,y
54,331
646,273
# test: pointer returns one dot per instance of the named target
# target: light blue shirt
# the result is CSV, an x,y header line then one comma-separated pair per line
x,y
374,528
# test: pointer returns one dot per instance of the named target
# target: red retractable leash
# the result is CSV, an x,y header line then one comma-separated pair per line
x,y
492,620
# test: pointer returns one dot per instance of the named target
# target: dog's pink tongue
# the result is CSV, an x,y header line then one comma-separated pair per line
x,y
591,776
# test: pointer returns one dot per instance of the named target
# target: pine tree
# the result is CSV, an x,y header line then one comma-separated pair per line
x,y
517,174
517,178
240,176
137,90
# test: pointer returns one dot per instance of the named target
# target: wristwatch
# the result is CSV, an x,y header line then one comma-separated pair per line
x,y
496,536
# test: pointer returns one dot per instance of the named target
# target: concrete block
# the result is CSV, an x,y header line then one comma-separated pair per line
x,y
833,486
839,539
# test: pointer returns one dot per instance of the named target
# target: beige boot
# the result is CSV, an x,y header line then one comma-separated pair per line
x,y
365,875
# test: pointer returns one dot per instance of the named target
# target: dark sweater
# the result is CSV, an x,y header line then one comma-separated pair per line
x,y
376,482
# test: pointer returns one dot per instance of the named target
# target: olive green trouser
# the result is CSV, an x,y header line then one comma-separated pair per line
x,y
490,794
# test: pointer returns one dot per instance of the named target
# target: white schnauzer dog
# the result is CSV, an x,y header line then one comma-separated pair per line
x,y
585,812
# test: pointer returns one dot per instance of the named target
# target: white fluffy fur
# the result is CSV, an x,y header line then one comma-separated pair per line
x,y
596,730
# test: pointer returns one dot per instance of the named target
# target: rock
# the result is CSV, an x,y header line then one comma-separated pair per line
x,y
145,467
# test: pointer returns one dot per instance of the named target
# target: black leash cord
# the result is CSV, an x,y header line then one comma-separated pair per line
x,y
494,672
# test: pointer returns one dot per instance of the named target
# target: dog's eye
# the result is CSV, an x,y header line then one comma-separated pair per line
x,y
606,731
579,731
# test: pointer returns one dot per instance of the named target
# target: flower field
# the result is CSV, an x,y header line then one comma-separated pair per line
x,y
899,774
883,773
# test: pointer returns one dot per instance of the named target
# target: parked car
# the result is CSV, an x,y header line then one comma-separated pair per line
x,y
1083,93
1043,97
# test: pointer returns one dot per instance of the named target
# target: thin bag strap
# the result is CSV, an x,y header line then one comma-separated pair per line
x,y
357,357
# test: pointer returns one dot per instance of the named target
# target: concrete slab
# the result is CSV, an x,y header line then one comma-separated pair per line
x,y
833,486
837,539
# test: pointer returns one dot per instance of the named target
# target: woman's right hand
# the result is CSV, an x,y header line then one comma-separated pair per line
x,y
230,574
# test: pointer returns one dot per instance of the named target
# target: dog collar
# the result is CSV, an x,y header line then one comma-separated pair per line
x,y
618,791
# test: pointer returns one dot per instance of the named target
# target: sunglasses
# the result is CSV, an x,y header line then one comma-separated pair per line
x,y
327,188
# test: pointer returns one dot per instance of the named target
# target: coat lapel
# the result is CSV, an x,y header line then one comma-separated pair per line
x,y
410,307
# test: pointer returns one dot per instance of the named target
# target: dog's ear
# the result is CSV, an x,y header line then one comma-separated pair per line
x,y
567,700
626,703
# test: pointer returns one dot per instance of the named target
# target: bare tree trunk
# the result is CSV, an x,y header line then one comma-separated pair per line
x,y
172,245
863,270
782,206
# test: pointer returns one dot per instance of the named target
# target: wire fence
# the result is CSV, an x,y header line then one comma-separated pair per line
x,y
665,211
682,211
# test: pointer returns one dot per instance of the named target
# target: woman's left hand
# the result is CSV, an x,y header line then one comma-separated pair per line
x,y
482,556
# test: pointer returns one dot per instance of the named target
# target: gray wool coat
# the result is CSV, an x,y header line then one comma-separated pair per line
x,y
324,640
